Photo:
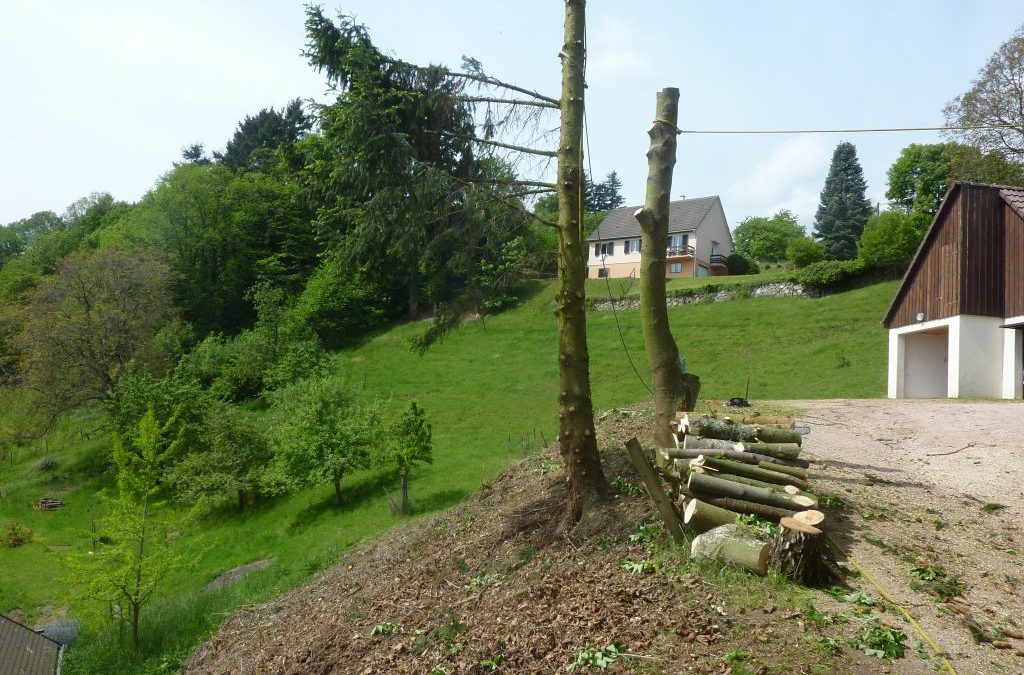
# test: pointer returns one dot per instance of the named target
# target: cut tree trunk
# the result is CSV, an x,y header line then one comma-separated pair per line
x,y
724,429
750,508
667,511
703,484
587,484
735,455
810,517
768,434
755,472
698,443
670,390
766,420
732,544
783,468
799,552
783,450
743,479
701,516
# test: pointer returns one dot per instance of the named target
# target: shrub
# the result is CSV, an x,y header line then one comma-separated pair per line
x,y
15,534
804,251
337,306
738,264
832,275
890,239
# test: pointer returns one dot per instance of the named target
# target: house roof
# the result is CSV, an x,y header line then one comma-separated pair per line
x,y
24,651
684,215
1014,196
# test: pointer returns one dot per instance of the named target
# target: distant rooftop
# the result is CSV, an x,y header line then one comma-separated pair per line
x,y
684,215
24,651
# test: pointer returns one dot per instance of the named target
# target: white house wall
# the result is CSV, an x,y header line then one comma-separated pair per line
x,y
980,357
982,360
714,227
1013,359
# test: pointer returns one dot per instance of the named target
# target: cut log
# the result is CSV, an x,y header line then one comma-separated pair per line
x,y
783,468
726,430
703,484
756,472
781,450
698,443
767,434
673,523
761,420
737,454
799,552
742,479
734,545
701,516
810,517
750,508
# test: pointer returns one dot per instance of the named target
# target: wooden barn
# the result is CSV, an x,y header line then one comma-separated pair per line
x,y
956,323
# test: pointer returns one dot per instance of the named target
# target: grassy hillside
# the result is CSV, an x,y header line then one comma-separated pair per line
x,y
490,392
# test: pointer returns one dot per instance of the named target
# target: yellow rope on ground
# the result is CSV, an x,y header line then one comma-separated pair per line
x,y
906,615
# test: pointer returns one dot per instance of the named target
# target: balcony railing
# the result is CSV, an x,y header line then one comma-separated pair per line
x,y
717,259
679,252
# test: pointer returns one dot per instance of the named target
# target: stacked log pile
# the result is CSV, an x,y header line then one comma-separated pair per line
x,y
723,468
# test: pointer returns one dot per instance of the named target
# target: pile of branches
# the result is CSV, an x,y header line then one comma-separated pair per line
x,y
726,475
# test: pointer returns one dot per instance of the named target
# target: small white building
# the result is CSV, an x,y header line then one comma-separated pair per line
x,y
956,323
699,241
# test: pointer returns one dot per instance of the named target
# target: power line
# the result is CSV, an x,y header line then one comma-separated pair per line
x,y
847,131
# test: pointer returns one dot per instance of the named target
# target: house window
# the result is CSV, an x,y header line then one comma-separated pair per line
x,y
604,249
602,272
675,268
714,248
632,246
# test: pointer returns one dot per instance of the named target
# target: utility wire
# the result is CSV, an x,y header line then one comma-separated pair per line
x,y
845,131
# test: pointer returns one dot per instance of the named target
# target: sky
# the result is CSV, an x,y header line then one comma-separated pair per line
x,y
101,96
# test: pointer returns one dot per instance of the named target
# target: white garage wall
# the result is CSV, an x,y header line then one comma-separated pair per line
x,y
925,367
980,346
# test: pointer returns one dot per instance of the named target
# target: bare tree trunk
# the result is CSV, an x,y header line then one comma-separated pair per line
x,y
241,500
414,289
136,610
405,493
662,352
577,443
337,491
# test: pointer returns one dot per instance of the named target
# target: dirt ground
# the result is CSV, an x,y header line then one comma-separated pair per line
x,y
917,476
494,585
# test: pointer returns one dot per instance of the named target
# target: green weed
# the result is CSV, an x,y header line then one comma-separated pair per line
x,y
598,659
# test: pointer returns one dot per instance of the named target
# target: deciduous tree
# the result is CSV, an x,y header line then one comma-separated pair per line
x,y
765,239
411,443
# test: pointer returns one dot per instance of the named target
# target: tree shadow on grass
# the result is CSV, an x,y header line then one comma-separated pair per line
x,y
437,501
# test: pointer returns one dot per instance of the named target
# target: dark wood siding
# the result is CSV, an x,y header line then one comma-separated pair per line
x,y
1014,262
933,286
981,281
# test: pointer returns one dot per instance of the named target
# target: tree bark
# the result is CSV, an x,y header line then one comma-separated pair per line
x,y
662,352
799,552
782,468
704,484
774,487
337,491
750,508
405,493
699,443
755,472
666,509
771,463
734,545
701,516
771,434
587,484
779,450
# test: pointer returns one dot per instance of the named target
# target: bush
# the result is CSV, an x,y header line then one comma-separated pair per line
x,y
804,251
738,264
833,275
890,239
337,306
15,534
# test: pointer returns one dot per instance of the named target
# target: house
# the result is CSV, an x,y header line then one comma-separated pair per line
x,y
699,241
956,322
23,651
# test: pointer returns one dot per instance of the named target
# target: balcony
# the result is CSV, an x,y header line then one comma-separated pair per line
x,y
720,260
679,252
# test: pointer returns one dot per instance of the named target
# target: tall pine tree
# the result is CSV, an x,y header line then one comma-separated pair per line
x,y
844,209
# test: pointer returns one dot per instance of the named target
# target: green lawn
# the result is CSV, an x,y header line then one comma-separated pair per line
x,y
490,391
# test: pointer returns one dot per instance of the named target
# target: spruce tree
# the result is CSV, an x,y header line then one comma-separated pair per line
x,y
844,209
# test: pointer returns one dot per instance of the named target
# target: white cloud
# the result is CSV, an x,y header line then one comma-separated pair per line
x,y
789,178
611,55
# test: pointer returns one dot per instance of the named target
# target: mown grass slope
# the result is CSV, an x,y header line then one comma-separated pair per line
x,y
490,392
